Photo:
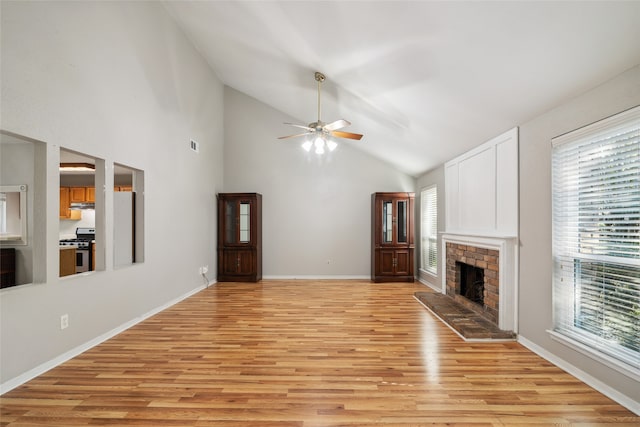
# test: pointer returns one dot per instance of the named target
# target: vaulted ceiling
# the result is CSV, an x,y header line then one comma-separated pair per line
x,y
423,81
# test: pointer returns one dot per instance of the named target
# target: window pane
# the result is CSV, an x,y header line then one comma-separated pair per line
x,y
596,236
429,230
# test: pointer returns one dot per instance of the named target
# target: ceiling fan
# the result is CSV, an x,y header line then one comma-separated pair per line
x,y
320,132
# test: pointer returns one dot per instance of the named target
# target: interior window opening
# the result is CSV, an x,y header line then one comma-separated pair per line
x,y
80,213
128,216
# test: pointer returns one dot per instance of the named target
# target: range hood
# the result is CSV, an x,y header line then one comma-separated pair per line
x,y
78,206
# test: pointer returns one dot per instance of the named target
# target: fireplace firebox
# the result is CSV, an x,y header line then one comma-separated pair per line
x,y
471,282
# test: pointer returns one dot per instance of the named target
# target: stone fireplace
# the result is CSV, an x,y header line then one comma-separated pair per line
x,y
472,278
480,274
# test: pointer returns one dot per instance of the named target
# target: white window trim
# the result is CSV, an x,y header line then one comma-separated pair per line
x,y
595,130
430,272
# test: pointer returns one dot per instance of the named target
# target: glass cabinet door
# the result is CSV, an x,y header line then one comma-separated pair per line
x,y
237,222
245,232
402,221
230,222
387,221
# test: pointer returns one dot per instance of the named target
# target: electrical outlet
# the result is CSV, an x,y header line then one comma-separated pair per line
x,y
205,269
64,321
200,270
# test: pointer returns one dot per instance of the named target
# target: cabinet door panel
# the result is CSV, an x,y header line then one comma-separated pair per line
x,y
90,194
64,202
78,194
229,262
403,263
386,262
246,262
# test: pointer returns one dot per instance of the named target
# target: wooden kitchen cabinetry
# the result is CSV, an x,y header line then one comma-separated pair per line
x,y
67,260
65,202
77,194
90,194
392,237
239,237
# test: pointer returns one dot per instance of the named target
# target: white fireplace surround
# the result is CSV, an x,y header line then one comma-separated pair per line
x,y
507,247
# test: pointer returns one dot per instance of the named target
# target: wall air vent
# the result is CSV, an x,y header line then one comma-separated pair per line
x,y
195,146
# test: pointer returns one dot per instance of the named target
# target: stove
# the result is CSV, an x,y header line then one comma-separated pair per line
x,y
83,242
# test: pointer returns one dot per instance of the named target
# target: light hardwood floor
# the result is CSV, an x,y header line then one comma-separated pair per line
x,y
304,353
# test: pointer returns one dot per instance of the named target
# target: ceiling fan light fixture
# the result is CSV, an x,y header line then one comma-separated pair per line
x,y
319,131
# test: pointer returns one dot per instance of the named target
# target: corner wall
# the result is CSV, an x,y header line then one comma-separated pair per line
x,y
316,218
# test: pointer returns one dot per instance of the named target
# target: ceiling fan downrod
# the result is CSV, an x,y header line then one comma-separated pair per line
x,y
319,78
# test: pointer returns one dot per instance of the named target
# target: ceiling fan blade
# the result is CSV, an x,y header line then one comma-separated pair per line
x,y
299,126
338,124
293,136
349,135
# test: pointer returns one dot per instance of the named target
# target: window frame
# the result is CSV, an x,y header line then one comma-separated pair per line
x,y
567,302
428,231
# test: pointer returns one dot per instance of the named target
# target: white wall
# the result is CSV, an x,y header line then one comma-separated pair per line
x,y
316,211
433,177
619,94
120,82
482,189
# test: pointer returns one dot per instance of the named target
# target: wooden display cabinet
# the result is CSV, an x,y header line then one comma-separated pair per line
x,y
239,237
392,238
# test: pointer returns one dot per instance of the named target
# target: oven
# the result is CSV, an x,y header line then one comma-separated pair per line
x,y
83,242
83,261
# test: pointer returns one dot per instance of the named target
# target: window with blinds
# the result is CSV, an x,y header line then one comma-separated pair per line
x,y
429,230
596,238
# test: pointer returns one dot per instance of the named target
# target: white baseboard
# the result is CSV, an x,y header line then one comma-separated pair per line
x,y
622,399
41,369
431,285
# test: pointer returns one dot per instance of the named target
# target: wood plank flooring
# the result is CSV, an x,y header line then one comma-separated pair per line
x,y
304,353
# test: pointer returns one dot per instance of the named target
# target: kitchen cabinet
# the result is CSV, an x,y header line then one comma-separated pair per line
x,y
82,194
90,194
239,237
67,260
123,188
392,225
65,202
77,194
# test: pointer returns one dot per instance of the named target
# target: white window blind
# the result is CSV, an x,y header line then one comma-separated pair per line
x,y
596,237
429,230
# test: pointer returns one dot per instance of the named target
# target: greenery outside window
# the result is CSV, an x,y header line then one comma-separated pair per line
x,y
596,239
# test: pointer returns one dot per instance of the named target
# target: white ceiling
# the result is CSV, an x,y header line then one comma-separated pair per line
x,y
423,81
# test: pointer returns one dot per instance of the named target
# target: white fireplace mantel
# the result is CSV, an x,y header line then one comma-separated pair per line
x,y
507,247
